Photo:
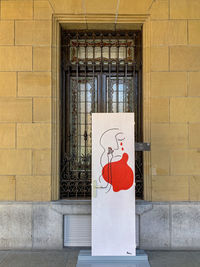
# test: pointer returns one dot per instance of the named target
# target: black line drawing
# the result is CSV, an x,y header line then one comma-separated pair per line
x,y
110,156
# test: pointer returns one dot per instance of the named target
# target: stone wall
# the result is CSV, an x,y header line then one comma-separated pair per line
x,y
25,94
25,100
175,103
40,225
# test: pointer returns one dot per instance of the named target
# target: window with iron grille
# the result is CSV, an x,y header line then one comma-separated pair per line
x,y
101,72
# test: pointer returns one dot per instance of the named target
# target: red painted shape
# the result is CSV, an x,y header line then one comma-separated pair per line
x,y
118,174
122,148
121,143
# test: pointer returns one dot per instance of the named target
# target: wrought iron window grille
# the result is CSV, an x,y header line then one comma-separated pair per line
x,y
101,72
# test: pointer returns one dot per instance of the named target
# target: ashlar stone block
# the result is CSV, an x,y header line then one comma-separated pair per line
x,y
194,134
159,9
185,58
15,226
185,162
170,188
41,58
6,32
194,188
41,162
20,9
165,136
60,6
185,109
15,110
138,7
184,9
154,228
7,135
166,32
15,162
159,109
42,110
33,188
34,135
185,226
36,32
7,188
194,84
160,162
160,58
168,83
103,6
34,84
47,228
15,58
194,32
42,10
8,84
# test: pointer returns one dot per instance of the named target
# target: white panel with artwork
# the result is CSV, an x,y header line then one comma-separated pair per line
x,y
113,194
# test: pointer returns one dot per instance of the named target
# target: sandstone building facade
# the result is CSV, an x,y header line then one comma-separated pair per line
x,y
31,211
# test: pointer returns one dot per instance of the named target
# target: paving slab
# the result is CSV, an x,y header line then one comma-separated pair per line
x,y
68,258
72,257
35,259
3,255
174,258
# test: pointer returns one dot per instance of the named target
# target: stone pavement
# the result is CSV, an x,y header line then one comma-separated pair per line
x,y
68,257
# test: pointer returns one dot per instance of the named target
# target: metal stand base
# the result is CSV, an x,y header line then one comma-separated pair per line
x,y
86,260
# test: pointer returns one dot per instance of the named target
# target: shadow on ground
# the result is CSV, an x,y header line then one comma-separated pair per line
x,y
68,258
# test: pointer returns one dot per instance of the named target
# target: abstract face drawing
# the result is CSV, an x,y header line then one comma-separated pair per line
x,y
114,161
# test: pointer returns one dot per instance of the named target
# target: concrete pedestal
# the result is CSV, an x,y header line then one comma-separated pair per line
x,y
86,260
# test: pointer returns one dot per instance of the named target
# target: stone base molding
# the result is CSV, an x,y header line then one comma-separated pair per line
x,y
159,225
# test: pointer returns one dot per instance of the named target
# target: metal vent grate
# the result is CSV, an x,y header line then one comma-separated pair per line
x,y
77,230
